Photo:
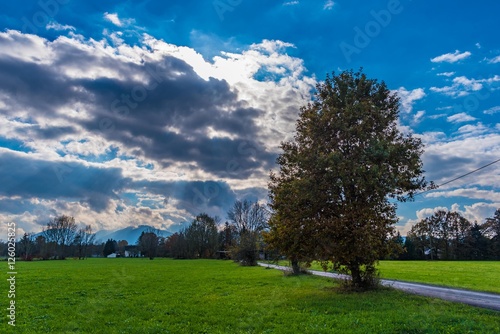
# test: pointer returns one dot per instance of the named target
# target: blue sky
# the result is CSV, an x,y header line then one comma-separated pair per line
x,y
124,113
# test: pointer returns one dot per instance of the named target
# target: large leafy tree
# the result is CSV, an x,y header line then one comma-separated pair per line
x,y
334,197
148,243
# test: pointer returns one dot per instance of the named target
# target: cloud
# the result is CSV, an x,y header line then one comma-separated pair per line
x,y
473,130
474,193
447,158
446,74
290,3
328,5
152,127
463,86
492,110
59,27
117,21
477,212
494,60
451,57
460,118
407,98
418,116
113,18
27,177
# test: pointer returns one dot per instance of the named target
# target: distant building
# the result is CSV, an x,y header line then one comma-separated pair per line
x,y
132,251
113,255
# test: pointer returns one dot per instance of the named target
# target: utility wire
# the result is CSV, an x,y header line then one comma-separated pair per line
x,y
457,178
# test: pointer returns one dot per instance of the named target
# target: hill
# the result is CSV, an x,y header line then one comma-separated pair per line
x,y
131,234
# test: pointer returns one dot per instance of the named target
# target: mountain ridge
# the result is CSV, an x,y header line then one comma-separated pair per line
x,y
130,233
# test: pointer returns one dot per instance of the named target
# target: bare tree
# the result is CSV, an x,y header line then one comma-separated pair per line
x,y
83,239
61,230
27,245
249,219
248,216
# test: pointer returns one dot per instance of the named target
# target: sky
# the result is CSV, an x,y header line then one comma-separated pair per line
x,y
123,113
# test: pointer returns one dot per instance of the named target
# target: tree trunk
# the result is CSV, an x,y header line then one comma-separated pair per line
x,y
295,267
357,282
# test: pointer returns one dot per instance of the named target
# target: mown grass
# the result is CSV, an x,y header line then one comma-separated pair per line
x,y
472,275
210,296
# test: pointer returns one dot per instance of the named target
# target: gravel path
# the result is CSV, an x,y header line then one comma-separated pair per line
x,y
480,299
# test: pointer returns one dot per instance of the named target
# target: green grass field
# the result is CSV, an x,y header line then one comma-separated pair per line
x,y
210,296
472,275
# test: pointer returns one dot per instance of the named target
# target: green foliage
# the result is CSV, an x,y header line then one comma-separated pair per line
x,y
348,158
448,235
208,296
110,247
198,240
148,244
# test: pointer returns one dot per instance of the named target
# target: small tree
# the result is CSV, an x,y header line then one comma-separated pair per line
x,y
491,230
201,236
148,243
83,239
27,246
109,247
61,230
249,220
330,199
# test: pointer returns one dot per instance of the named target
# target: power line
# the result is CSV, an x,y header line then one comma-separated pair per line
x,y
457,178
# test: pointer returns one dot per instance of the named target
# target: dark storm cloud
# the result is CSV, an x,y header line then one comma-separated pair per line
x,y
192,196
441,168
21,175
169,116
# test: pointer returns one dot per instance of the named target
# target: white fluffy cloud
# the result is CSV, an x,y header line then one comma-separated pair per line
x,y
408,98
492,110
463,86
451,57
460,118
113,18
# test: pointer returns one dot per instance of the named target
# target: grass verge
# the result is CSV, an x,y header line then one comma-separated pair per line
x,y
471,275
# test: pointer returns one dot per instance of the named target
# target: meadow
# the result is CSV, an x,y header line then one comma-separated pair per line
x,y
470,275
214,296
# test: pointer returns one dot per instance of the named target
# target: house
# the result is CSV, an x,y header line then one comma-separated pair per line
x,y
132,251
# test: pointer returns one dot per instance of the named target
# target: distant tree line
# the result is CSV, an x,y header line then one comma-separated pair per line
x,y
448,235
239,239
60,238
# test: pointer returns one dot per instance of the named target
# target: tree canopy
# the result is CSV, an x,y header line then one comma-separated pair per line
x,y
334,197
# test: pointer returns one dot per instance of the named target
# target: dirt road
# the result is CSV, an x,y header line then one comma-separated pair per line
x,y
480,299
